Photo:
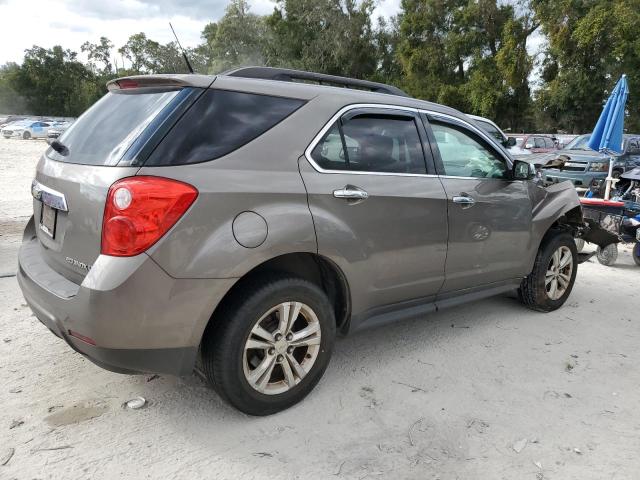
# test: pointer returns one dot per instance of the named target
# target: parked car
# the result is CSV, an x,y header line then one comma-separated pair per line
x,y
10,119
26,129
247,219
539,143
57,129
583,165
490,127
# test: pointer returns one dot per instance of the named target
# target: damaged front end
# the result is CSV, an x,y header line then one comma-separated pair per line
x,y
558,207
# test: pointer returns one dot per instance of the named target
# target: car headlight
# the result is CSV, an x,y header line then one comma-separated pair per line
x,y
599,167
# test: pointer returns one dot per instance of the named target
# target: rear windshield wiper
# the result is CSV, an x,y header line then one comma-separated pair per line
x,y
59,147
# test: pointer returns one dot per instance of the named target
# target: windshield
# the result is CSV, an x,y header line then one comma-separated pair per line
x,y
579,143
104,132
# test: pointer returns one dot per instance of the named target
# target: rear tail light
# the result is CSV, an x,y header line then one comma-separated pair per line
x,y
140,210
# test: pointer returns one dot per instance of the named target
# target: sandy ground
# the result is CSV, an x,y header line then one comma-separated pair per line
x,y
483,391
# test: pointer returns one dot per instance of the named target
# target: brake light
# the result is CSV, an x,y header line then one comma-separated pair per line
x,y
140,210
127,84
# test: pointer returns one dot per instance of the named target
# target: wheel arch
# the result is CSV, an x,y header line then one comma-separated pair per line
x,y
309,266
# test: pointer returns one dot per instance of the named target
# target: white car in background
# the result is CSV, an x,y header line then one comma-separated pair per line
x,y
509,143
27,129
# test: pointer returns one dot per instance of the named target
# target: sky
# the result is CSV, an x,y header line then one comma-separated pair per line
x,y
24,23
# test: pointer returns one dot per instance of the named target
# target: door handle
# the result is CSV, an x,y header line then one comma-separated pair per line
x,y
350,192
464,200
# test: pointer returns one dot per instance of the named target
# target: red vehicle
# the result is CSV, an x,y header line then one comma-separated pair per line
x,y
539,143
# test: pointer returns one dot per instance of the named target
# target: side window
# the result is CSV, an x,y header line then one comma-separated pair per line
x,y
539,142
634,147
465,155
548,142
220,122
372,143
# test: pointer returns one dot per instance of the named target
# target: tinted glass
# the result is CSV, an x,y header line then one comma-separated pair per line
x,y
539,142
218,123
104,132
464,155
376,143
491,130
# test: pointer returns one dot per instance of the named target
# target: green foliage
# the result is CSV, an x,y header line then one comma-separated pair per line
x,y
469,54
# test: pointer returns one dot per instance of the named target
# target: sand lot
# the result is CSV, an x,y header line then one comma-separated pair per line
x,y
483,391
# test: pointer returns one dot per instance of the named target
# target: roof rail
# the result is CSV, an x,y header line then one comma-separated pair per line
x,y
288,75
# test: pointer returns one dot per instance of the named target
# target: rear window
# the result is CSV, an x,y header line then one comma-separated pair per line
x,y
220,122
104,132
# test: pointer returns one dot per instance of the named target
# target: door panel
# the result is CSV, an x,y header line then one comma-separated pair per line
x,y
391,245
489,239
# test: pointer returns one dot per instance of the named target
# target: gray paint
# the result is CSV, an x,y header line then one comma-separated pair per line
x,y
405,250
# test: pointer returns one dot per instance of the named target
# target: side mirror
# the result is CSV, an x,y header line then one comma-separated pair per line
x,y
511,142
523,170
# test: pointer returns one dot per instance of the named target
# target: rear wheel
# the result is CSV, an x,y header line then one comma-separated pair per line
x,y
26,135
607,255
269,346
636,253
550,282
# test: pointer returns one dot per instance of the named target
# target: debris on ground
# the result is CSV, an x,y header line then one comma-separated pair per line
x,y
519,445
15,424
578,451
153,377
411,430
135,403
6,456
538,464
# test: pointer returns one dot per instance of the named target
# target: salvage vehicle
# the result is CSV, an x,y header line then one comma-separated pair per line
x,y
239,222
583,166
539,143
490,127
26,129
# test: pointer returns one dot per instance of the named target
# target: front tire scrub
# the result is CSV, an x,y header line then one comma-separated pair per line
x,y
533,291
228,331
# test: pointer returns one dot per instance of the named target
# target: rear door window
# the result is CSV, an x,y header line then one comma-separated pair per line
x,y
220,122
372,143
104,132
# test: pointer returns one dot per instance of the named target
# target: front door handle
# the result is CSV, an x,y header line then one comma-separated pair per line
x,y
465,200
351,192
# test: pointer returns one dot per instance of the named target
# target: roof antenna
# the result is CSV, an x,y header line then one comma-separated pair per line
x,y
184,55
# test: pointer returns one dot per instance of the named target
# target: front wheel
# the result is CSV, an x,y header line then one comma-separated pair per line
x,y
270,344
26,135
636,253
550,282
607,255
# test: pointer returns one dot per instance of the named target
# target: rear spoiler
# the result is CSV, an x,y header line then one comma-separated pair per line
x,y
161,81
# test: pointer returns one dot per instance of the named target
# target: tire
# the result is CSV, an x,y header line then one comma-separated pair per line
x,y
26,135
607,255
229,363
635,253
536,290
616,173
579,244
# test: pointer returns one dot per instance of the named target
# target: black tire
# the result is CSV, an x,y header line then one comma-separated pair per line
x,y
224,341
26,135
533,290
608,255
635,253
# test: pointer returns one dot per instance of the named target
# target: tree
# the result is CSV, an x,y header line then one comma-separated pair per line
x,y
326,36
590,44
236,40
469,55
99,56
54,82
10,101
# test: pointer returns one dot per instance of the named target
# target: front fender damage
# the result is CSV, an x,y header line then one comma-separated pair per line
x,y
558,206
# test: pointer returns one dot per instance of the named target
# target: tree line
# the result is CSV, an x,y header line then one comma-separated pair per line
x,y
469,54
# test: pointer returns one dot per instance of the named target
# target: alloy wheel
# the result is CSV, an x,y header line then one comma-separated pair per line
x,y
558,276
282,348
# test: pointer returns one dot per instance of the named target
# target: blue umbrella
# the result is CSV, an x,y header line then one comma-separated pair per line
x,y
607,134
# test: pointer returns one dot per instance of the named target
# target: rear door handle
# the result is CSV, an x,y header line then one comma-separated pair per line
x,y
464,200
351,192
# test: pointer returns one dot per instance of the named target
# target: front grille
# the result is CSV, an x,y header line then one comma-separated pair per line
x,y
573,169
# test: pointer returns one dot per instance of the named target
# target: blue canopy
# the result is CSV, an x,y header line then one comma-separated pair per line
x,y
607,134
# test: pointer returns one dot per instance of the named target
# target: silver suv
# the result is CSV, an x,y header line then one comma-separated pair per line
x,y
240,222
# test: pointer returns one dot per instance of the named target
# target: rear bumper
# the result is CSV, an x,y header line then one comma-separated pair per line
x,y
141,319
579,179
